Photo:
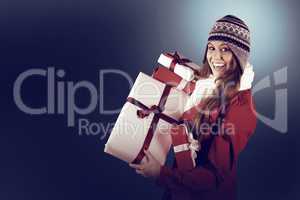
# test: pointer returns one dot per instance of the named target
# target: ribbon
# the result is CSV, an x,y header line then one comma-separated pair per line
x,y
144,112
170,78
182,84
193,146
178,60
181,147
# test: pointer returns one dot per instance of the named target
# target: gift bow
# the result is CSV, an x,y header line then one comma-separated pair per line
x,y
146,112
193,146
177,59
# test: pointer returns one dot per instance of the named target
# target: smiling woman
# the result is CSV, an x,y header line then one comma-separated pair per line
x,y
214,177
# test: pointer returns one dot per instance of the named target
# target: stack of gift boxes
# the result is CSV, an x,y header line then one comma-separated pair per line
x,y
151,117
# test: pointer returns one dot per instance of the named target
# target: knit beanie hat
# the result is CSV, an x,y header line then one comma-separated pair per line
x,y
235,33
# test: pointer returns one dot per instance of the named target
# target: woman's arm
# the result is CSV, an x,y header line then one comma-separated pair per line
x,y
239,124
199,178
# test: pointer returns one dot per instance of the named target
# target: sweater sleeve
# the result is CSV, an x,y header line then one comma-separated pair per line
x,y
239,124
198,178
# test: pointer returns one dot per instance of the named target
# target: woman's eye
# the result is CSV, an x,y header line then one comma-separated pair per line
x,y
225,49
211,48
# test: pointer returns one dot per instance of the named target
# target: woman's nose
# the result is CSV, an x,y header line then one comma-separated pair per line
x,y
217,54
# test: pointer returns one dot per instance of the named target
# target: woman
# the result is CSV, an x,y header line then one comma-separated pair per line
x,y
214,177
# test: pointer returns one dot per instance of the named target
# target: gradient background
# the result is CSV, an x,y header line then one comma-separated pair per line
x,y
41,158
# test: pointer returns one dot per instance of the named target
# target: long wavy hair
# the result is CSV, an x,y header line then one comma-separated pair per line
x,y
226,87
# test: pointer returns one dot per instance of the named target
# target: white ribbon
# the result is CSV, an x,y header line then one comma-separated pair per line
x,y
193,146
181,84
181,147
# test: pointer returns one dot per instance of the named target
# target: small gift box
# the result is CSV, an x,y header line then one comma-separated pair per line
x,y
185,147
170,78
145,121
181,66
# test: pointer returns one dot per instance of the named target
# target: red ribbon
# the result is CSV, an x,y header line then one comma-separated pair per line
x,y
145,111
177,59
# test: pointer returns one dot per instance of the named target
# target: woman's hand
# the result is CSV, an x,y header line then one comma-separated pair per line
x,y
150,168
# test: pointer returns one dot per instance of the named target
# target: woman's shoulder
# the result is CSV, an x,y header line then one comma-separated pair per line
x,y
241,110
242,98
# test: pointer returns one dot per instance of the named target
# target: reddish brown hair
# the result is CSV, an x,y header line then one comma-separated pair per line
x,y
226,87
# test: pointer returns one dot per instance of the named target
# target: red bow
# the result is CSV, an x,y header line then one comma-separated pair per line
x,y
177,59
146,112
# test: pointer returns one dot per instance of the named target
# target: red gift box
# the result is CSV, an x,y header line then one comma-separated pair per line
x,y
185,147
170,78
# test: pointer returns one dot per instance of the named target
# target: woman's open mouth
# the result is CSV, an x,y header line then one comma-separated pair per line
x,y
219,66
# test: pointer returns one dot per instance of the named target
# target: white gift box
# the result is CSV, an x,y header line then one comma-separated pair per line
x,y
127,138
186,69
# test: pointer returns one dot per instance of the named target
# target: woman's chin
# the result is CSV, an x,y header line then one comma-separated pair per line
x,y
218,73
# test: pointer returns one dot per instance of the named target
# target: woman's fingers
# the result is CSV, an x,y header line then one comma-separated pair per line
x,y
137,166
140,172
144,161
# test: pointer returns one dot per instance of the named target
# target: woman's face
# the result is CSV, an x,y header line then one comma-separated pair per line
x,y
219,57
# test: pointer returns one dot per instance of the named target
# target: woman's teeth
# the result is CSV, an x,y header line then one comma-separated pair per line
x,y
219,65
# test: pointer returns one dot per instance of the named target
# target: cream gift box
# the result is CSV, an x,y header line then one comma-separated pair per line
x,y
145,120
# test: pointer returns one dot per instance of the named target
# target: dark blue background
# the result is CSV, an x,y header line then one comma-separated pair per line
x,y
41,158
